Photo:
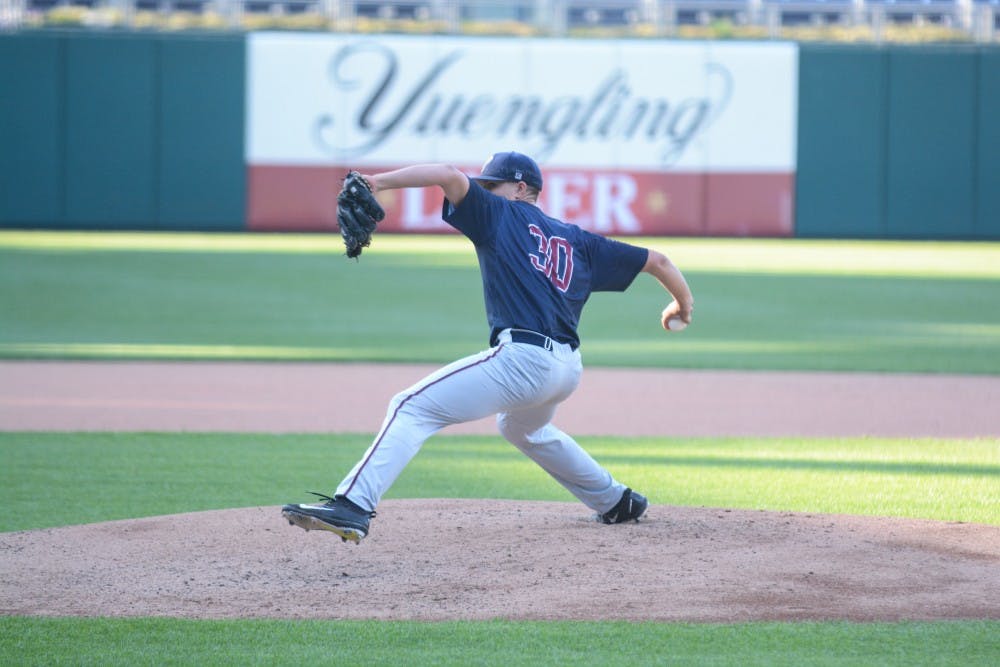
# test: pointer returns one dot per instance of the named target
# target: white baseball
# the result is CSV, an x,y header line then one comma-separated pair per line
x,y
676,324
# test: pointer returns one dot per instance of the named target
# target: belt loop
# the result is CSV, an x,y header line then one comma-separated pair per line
x,y
532,338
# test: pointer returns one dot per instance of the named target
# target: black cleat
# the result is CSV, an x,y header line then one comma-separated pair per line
x,y
337,515
629,508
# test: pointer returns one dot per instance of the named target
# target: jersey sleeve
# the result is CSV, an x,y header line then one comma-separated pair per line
x,y
476,215
615,264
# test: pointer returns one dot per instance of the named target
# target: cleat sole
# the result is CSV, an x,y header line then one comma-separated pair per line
x,y
308,523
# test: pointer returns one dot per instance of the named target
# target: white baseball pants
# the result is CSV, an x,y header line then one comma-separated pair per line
x,y
522,384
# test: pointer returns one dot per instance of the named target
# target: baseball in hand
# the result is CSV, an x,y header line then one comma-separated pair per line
x,y
676,324
670,320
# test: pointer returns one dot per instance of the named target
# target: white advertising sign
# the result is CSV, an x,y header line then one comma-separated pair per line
x,y
716,107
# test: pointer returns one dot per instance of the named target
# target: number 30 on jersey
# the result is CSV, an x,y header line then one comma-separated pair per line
x,y
554,258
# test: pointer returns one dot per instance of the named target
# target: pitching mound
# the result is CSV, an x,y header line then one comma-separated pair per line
x,y
470,559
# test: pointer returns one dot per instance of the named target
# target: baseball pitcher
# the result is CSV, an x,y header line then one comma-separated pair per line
x,y
537,274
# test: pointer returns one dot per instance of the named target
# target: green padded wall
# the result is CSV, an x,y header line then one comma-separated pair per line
x,y
840,182
110,131
201,170
146,130
931,171
30,138
988,163
122,130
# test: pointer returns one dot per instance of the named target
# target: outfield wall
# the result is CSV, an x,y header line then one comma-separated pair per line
x,y
899,142
131,130
233,131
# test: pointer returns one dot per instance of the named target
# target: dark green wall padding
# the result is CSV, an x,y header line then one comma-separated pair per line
x,y
900,142
122,130
931,170
111,124
32,143
988,150
840,184
202,176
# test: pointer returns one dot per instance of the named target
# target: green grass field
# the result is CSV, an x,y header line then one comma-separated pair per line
x,y
761,304
103,476
123,475
101,642
901,307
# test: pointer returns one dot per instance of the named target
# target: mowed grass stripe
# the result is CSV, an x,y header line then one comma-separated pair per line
x,y
90,477
162,641
428,308
940,259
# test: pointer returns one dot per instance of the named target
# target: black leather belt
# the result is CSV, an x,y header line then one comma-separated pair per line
x,y
531,338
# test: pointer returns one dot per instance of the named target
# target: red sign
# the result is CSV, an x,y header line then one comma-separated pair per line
x,y
295,198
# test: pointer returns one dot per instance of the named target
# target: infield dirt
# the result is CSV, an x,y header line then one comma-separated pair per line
x,y
474,559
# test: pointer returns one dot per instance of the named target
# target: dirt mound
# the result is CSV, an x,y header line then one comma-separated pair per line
x,y
471,559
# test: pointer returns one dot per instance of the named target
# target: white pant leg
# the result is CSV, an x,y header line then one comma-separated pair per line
x,y
477,386
530,430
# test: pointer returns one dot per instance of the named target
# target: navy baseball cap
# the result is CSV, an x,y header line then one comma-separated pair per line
x,y
511,166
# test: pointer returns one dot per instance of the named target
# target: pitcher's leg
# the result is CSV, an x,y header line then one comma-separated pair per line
x,y
401,437
561,456
463,391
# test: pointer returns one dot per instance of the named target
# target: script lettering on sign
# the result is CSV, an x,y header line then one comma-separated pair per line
x,y
385,105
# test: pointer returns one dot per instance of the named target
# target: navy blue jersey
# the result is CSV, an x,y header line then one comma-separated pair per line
x,y
538,272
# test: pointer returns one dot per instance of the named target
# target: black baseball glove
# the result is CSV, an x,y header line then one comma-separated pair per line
x,y
358,212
